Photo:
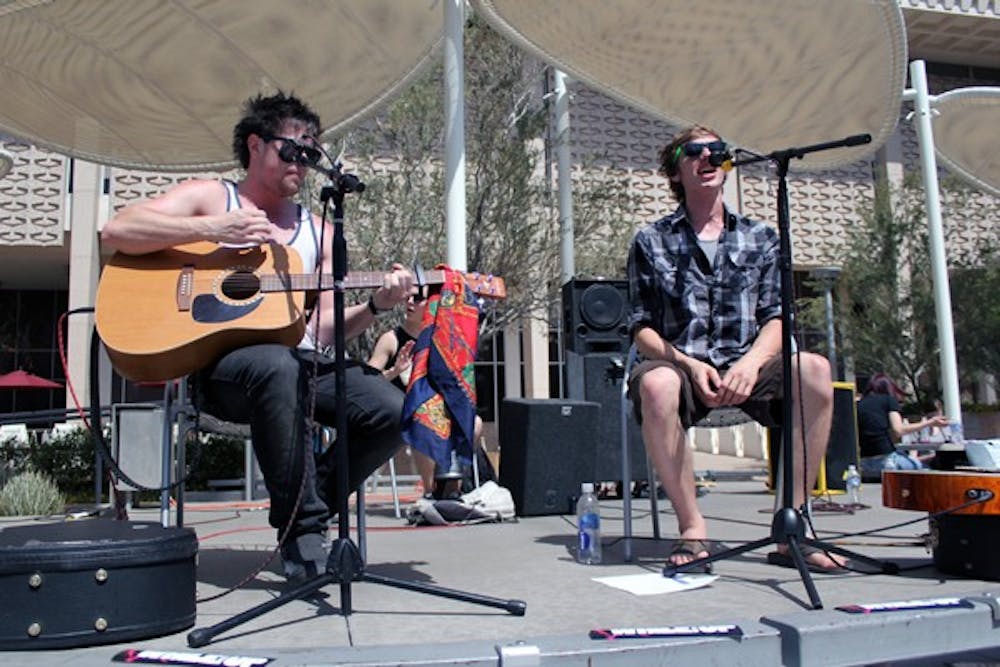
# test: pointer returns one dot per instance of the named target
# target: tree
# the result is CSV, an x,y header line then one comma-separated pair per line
x,y
887,324
976,306
512,227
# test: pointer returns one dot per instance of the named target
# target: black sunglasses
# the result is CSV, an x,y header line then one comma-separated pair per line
x,y
695,148
292,151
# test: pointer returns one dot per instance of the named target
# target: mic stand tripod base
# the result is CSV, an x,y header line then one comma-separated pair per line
x,y
343,565
788,528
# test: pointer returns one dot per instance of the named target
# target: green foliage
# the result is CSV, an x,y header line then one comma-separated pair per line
x,y
888,324
213,457
30,493
976,306
511,215
68,459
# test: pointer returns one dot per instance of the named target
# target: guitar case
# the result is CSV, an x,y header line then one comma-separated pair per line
x,y
90,582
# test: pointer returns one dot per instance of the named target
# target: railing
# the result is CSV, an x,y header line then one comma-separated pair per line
x,y
48,416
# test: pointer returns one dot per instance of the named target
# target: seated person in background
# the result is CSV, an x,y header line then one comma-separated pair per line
x,y
393,355
880,425
704,289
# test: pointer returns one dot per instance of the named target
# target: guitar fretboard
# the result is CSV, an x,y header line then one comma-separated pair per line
x,y
484,285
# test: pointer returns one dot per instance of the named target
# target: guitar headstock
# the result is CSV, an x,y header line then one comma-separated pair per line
x,y
486,285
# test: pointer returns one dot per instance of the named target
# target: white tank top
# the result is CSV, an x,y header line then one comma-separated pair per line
x,y
303,240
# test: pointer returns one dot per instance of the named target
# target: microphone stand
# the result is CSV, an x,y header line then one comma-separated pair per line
x,y
344,564
788,525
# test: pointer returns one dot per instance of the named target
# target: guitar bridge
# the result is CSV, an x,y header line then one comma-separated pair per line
x,y
185,287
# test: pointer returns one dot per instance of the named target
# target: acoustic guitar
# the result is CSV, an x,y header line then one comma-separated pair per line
x,y
168,313
938,490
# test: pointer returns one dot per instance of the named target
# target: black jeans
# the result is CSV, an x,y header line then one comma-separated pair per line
x,y
268,386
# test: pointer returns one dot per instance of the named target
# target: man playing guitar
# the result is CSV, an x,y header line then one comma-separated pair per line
x,y
268,385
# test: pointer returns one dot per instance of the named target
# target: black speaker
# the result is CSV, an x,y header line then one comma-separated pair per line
x,y
966,545
598,378
594,314
841,450
546,452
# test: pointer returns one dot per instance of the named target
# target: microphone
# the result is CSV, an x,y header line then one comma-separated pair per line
x,y
350,183
722,159
344,182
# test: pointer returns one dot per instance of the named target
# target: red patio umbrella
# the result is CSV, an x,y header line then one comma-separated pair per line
x,y
24,380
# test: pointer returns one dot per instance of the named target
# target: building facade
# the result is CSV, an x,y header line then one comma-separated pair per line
x,y
52,207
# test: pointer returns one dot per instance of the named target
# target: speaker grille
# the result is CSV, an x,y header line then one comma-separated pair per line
x,y
602,306
594,315
546,450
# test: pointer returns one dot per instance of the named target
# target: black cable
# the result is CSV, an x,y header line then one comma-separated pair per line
x,y
96,428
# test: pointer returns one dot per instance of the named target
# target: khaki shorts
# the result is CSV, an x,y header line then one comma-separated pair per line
x,y
763,405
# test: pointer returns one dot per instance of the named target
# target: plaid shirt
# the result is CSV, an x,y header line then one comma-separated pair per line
x,y
712,313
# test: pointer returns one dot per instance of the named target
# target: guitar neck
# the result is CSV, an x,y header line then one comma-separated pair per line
x,y
485,285
298,282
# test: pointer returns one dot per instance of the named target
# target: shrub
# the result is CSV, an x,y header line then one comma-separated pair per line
x,y
213,457
30,493
68,459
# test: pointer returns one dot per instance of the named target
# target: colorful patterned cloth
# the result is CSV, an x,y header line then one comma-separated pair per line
x,y
439,410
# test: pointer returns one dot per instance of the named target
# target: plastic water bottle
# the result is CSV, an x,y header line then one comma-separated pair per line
x,y
588,523
853,479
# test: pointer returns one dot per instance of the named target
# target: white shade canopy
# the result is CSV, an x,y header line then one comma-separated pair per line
x,y
767,74
967,135
157,85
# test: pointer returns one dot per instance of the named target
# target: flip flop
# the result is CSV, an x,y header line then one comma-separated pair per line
x,y
689,548
785,560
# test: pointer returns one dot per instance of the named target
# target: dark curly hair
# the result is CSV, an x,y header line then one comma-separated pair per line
x,y
264,115
671,154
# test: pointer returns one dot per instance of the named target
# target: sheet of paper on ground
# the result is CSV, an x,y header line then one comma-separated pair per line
x,y
653,583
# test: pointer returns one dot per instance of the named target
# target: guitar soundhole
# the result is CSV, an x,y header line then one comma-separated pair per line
x,y
241,285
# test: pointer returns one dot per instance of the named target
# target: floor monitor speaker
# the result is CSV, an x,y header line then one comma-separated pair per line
x,y
546,452
598,378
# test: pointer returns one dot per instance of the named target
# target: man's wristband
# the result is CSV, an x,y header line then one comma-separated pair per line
x,y
375,310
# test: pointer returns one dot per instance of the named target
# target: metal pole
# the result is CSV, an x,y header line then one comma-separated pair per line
x,y
939,265
454,139
563,159
831,339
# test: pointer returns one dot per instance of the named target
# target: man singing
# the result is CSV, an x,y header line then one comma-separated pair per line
x,y
704,288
